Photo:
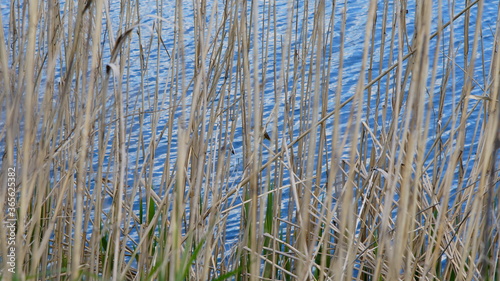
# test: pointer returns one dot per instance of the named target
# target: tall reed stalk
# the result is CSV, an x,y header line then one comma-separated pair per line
x,y
247,140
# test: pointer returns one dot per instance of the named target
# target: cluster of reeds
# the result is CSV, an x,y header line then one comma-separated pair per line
x,y
143,143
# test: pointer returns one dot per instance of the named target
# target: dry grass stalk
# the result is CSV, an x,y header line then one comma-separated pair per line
x,y
137,140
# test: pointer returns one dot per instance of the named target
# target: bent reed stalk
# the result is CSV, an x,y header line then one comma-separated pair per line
x,y
250,141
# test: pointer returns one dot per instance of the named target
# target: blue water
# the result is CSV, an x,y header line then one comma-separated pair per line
x,y
159,61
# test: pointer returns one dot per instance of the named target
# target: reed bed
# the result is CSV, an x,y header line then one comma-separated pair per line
x,y
143,143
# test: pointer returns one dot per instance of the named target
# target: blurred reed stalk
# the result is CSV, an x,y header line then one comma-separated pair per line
x,y
395,178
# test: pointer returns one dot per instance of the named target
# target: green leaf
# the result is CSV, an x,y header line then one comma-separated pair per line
x,y
228,275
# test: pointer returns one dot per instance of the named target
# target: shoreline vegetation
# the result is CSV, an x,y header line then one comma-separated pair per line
x,y
394,178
